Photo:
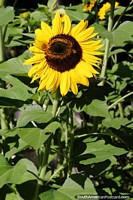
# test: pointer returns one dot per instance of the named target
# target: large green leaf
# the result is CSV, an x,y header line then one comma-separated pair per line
x,y
92,101
4,166
77,184
15,92
102,31
76,12
119,37
34,137
15,149
52,127
17,174
6,15
13,196
33,113
53,195
74,185
115,122
14,66
13,81
97,108
123,34
98,151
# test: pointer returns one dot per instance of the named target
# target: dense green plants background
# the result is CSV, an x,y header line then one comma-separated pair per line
x,y
86,147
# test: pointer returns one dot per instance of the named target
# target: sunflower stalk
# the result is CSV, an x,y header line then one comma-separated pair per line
x,y
2,3
117,22
119,100
70,160
55,102
107,45
44,153
1,45
3,117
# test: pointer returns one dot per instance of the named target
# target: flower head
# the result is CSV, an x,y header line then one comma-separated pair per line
x,y
89,6
105,8
64,56
25,15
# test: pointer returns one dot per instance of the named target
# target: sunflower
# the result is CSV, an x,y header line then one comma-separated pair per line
x,y
105,8
89,6
64,56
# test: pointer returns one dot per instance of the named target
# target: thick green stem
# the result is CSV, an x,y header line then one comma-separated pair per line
x,y
2,3
45,150
117,22
70,161
45,160
55,102
119,100
3,117
107,46
1,45
95,124
120,110
55,107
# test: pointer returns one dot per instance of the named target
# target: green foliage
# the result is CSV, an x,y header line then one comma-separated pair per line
x,y
85,148
6,15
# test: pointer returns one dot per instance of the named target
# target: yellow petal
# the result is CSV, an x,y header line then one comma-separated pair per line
x,y
90,68
85,35
83,69
90,58
35,59
56,85
92,52
37,67
64,83
37,76
57,25
41,37
36,50
32,70
67,24
77,77
81,26
74,87
46,30
43,81
91,44
51,80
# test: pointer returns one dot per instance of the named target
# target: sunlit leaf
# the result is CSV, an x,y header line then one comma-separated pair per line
x,y
17,174
34,137
123,34
54,195
21,146
115,122
13,196
14,66
77,184
6,15
96,108
98,151
33,113
74,185
78,15
15,92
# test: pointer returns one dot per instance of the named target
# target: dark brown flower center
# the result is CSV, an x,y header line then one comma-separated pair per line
x,y
63,53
